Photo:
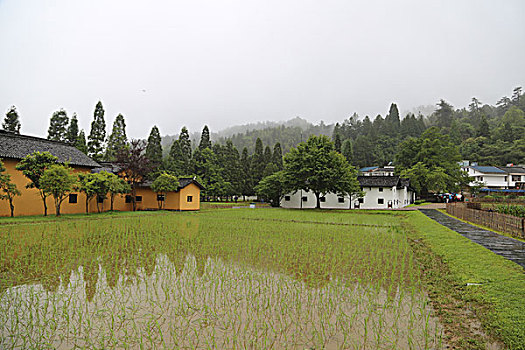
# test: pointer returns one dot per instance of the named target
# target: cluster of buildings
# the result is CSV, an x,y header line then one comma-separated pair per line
x,y
14,147
504,179
382,190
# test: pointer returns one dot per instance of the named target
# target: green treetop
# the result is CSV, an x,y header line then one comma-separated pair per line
x,y
205,138
97,135
11,121
58,181
81,142
163,184
316,166
117,140
72,131
154,149
8,190
58,126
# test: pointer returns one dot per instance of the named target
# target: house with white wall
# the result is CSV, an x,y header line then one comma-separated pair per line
x,y
515,175
489,176
380,192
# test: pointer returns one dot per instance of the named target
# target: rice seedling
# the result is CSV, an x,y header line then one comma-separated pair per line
x,y
215,279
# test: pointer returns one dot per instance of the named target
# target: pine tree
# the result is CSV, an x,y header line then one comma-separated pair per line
x,y
277,157
97,135
117,140
347,150
81,142
247,175
72,130
484,128
11,121
258,163
175,162
337,143
205,138
444,114
267,155
58,126
154,148
392,121
185,146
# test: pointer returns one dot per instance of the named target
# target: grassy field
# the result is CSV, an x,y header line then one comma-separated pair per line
x,y
241,278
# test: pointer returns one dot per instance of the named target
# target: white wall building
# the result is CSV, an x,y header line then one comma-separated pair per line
x,y
381,192
489,176
516,174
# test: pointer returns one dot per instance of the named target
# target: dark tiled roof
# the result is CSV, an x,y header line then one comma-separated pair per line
x,y
18,146
513,169
109,167
378,181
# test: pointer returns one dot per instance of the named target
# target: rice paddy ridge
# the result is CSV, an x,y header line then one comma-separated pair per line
x,y
319,222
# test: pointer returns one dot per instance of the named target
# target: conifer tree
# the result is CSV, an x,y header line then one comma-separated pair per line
x,y
348,151
117,140
258,162
175,162
97,135
81,142
72,130
58,126
247,176
11,121
277,157
185,146
205,138
267,155
484,128
337,142
154,149
392,121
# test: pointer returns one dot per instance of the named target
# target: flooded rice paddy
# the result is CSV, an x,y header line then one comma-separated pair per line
x,y
221,279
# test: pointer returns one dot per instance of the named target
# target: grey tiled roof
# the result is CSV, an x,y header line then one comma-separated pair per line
x,y
183,182
513,169
18,146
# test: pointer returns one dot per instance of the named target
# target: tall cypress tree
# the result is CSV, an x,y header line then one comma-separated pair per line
x,y
11,121
277,157
247,175
337,142
267,155
185,146
97,135
258,162
175,162
205,138
392,121
347,150
117,140
81,142
58,126
72,130
154,148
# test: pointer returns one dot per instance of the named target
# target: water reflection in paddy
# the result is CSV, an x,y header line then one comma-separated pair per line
x,y
225,306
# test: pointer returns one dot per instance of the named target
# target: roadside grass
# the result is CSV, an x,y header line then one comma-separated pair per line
x,y
498,300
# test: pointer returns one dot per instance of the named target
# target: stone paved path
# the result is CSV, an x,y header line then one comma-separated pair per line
x,y
509,248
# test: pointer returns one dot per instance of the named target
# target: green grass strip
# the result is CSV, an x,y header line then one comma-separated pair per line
x,y
501,293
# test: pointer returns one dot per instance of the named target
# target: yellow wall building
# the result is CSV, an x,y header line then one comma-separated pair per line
x,y
14,147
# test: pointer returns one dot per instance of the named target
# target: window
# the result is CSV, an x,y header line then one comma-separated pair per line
x,y
361,200
128,198
515,178
287,198
73,198
506,177
189,199
100,199
305,199
341,199
380,189
322,199
380,201
160,198
138,198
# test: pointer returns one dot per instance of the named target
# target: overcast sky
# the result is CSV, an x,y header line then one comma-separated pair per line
x,y
221,63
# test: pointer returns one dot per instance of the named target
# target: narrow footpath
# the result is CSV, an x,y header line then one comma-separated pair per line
x,y
507,247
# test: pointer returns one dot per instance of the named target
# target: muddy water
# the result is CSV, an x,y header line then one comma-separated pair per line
x,y
222,306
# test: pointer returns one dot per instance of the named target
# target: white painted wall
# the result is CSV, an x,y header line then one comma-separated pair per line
x,y
399,198
489,180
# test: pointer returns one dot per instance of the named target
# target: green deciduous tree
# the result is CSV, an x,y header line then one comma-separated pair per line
x,y
58,181
97,135
86,185
163,184
11,121
272,188
117,139
57,130
316,166
33,166
8,190
116,186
